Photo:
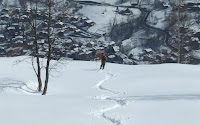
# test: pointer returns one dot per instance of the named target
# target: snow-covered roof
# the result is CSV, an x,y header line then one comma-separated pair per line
x,y
68,41
60,23
83,46
11,28
19,37
111,56
98,48
148,50
1,36
187,48
195,39
91,42
89,21
75,45
78,30
84,18
6,15
24,16
15,24
41,41
16,48
127,61
112,43
195,54
19,41
123,56
88,52
76,49
116,48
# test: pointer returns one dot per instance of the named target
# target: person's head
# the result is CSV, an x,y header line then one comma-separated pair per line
x,y
102,53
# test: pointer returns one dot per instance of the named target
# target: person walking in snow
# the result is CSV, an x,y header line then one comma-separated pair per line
x,y
103,59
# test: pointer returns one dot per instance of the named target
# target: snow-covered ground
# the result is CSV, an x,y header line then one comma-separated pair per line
x,y
79,94
157,18
104,16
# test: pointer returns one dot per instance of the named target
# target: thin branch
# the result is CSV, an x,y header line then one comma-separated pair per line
x,y
34,66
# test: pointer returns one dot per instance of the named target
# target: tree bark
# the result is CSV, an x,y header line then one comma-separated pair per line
x,y
49,52
179,37
34,27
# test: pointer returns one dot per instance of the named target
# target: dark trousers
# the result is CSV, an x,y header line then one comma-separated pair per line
x,y
102,64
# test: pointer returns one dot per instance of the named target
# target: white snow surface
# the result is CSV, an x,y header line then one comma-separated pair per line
x,y
104,16
157,18
79,94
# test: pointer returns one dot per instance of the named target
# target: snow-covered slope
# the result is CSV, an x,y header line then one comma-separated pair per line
x,y
79,94
104,16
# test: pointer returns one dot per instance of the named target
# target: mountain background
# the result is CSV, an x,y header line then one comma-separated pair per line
x,y
128,31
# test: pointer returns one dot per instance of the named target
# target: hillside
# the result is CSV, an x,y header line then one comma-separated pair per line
x,y
128,31
81,94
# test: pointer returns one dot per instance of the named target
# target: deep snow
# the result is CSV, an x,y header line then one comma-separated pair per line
x,y
79,94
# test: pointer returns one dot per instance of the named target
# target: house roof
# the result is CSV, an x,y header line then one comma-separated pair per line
x,y
89,21
1,36
116,48
111,56
148,50
11,28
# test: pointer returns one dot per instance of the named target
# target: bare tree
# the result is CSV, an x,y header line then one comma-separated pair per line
x,y
179,23
33,22
49,49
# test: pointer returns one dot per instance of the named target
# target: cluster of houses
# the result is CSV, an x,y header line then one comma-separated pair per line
x,y
90,51
16,37
190,53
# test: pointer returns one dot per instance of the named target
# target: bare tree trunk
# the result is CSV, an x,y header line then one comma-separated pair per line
x,y
179,37
34,27
49,52
38,63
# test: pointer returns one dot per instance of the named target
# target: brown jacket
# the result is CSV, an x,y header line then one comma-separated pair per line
x,y
101,57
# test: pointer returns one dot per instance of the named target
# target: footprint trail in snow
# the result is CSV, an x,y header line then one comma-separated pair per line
x,y
120,102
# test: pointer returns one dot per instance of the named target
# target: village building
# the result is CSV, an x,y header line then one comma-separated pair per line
x,y
17,51
90,44
4,10
60,33
111,58
59,25
43,34
89,23
148,51
5,17
74,18
24,18
16,11
67,43
160,57
99,50
83,19
2,38
116,49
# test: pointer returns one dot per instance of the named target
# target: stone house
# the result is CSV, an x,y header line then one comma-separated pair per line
x,y
14,51
99,50
5,17
148,51
74,18
89,23
2,38
90,44
59,25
